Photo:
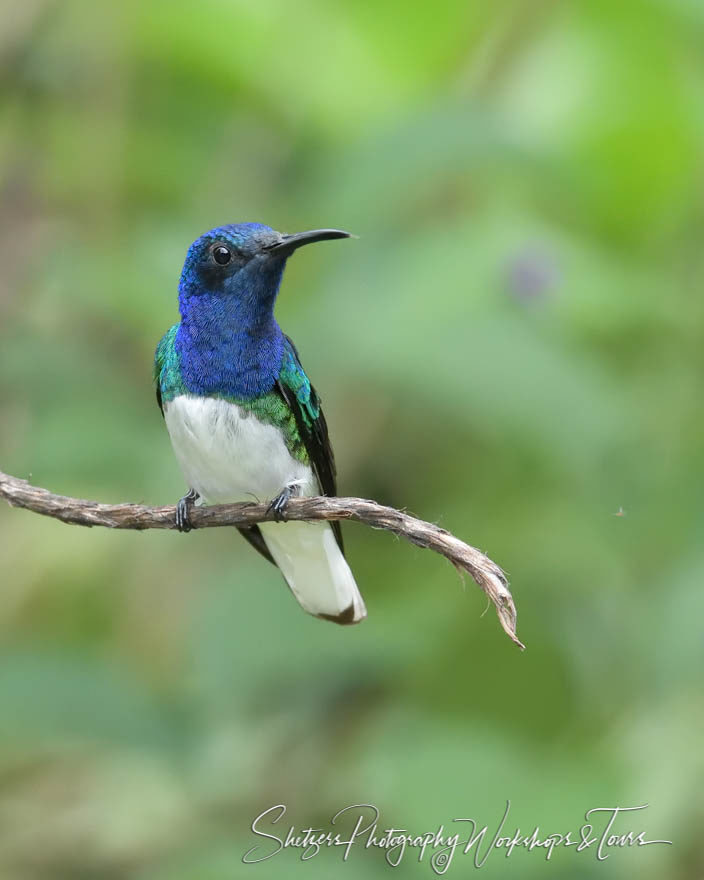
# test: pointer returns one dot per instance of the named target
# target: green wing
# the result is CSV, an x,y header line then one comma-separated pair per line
x,y
167,375
294,387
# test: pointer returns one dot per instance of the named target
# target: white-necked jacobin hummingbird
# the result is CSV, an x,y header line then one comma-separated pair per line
x,y
243,417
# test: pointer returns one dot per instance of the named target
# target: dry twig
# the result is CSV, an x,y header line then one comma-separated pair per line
x,y
488,575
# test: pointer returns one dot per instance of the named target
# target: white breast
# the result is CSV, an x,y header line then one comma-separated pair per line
x,y
226,454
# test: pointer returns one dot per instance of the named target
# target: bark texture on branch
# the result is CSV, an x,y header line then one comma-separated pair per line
x,y
488,575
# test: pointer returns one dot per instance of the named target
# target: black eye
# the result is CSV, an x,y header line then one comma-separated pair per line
x,y
221,255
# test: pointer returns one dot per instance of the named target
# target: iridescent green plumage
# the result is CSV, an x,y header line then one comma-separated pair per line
x,y
270,408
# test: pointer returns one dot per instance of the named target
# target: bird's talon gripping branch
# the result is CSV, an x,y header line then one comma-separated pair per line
x,y
280,503
183,511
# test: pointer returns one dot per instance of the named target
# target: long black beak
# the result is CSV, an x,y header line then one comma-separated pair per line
x,y
289,243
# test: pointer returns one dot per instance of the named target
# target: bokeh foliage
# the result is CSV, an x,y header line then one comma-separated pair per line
x,y
513,348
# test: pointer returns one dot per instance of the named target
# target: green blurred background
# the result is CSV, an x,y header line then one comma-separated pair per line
x,y
513,349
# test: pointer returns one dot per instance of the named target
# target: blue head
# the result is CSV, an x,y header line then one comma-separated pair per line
x,y
228,341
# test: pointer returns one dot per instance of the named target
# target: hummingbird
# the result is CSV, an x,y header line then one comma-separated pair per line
x,y
243,417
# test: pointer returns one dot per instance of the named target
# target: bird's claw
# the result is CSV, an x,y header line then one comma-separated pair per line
x,y
183,511
279,504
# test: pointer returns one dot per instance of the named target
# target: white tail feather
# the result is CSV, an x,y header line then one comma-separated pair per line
x,y
315,569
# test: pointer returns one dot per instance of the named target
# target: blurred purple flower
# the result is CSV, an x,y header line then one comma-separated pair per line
x,y
532,274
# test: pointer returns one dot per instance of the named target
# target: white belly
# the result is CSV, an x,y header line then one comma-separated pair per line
x,y
226,454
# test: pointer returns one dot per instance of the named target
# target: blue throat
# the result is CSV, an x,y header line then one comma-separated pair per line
x,y
228,341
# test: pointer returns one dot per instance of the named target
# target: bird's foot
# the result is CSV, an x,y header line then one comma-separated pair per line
x,y
280,503
183,511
